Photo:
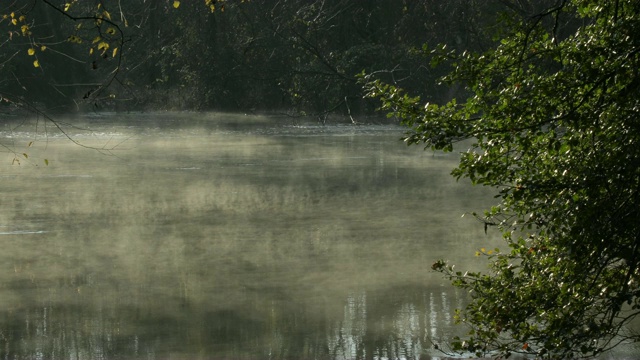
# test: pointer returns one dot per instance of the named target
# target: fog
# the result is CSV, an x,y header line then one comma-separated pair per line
x,y
228,238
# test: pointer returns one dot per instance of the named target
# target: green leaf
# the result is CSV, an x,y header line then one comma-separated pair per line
x,y
552,127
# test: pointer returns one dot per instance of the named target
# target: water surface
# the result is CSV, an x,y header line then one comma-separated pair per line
x,y
228,237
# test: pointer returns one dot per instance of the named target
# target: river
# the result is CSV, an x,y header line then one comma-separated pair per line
x,y
212,236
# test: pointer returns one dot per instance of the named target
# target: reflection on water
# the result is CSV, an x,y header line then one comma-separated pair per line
x,y
213,237
411,328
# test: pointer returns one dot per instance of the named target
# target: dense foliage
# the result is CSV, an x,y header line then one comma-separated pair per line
x,y
552,112
297,56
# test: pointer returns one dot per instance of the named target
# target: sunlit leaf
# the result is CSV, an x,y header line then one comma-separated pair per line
x,y
115,51
176,4
36,63
31,52
103,46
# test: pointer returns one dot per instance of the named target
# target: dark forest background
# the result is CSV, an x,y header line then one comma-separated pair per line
x,y
295,56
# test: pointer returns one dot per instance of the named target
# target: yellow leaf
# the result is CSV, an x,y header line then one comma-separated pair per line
x,y
176,4
66,7
115,51
106,14
43,48
31,52
36,63
103,46
14,21
97,38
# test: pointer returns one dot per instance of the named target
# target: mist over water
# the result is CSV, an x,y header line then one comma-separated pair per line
x,y
227,237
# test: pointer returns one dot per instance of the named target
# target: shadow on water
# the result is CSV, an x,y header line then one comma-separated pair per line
x,y
235,238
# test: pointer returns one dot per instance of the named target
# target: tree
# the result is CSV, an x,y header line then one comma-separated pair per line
x,y
52,65
551,111
301,57
62,55
296,56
